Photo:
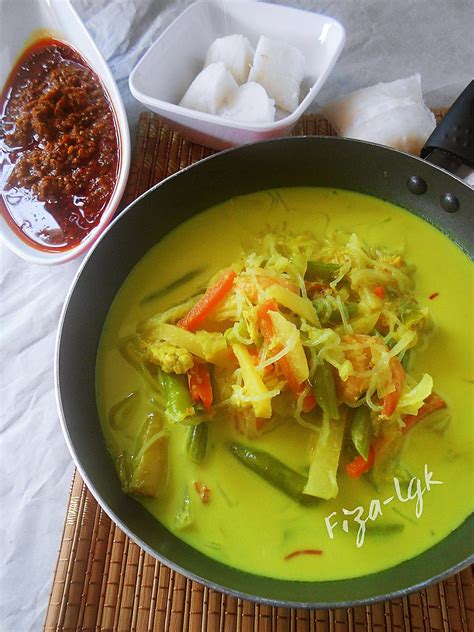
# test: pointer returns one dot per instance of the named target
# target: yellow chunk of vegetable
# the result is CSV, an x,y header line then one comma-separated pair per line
x,y
211,347
286,332
253,382
214,348
297,304
150,464
362,324
322,480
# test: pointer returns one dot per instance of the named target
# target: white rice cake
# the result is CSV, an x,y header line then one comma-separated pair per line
x,y
279,67
235,52
210,89
250,104
391,114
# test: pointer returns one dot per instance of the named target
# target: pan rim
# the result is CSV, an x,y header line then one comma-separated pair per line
x,y
148,548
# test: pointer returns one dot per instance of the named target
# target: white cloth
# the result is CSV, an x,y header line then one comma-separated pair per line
x,y
385,41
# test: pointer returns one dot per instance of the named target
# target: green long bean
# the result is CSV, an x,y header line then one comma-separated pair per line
x,y
324,390
179,405
328,314
361,431
320,271
197,442
274,472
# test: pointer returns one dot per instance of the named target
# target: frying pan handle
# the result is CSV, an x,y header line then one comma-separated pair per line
x,y
451,145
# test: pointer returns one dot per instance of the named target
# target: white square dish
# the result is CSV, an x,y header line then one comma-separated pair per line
x,y
161,77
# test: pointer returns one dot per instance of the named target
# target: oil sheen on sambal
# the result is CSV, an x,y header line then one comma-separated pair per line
x,y
59,147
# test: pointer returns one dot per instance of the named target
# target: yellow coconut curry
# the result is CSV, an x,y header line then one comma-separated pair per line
x,y
285,383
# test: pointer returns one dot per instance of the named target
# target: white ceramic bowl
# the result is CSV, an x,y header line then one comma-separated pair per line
x,y
20,25
161,77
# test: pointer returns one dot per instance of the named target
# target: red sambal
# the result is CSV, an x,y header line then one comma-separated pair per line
x,y
59,147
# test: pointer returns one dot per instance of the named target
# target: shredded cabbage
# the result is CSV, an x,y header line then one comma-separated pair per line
x,y
360,316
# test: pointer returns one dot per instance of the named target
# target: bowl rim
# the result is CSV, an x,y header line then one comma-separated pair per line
x,y
219,121
454,568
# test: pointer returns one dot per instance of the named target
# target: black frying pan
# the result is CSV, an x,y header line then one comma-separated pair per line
x,y
423,189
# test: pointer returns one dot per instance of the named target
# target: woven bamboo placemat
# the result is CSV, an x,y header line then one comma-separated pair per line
x,y
105,582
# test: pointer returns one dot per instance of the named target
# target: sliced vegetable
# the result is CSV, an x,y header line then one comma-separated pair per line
x,y
322,481
328,314
297,304
150,462
121,412
412,400
432,403
274,472
179,405
207,303
309,402
199,381
197,442
249,285
391,400
286,364
411,315
324,390
407,358
361,431
359,465
133,352
123,465
264,320
209,346
379,291
253,382
364,324
295,360
320,271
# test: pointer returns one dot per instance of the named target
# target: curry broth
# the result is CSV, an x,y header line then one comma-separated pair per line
x,y
248,524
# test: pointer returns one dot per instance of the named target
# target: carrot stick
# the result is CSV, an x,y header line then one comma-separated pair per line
x,y
266,328
432,402
207,303
199,382
359,465
391,400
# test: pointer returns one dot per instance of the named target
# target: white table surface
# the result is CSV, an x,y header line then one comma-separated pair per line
x,y
386,40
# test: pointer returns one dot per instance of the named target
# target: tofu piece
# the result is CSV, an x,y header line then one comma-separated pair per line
x,y
279,67
391,114
235,52
250,104
210,89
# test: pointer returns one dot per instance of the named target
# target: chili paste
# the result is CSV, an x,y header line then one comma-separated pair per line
x,y
59,147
